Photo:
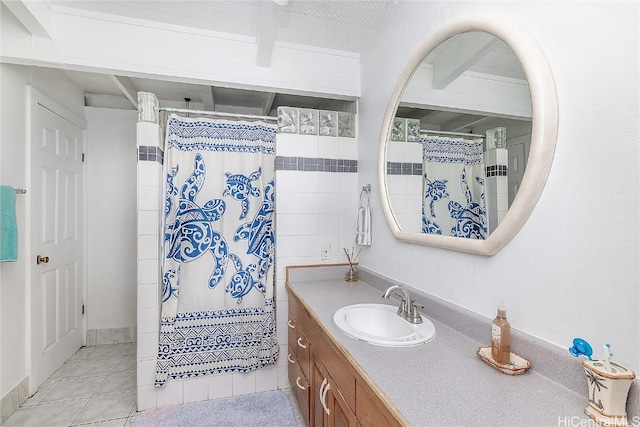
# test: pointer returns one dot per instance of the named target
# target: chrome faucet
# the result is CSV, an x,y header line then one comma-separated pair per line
x,y
407,310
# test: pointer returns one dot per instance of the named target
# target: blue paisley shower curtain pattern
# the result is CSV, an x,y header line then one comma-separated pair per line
x,y
218,309
453,200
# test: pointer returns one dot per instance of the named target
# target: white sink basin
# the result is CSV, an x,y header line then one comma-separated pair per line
x,y
379,324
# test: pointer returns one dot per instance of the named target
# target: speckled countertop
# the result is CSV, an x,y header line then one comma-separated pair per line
x,y
443,382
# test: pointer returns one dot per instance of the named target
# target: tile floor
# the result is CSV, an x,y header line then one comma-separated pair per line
x,y
96,387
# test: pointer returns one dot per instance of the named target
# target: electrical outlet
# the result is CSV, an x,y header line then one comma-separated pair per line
x,y
325,251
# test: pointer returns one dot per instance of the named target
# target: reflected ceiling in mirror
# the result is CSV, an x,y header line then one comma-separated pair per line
x,y
465,133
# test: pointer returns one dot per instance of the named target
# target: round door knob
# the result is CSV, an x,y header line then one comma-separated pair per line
x,y
42,259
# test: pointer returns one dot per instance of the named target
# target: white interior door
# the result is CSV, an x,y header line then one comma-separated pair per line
x,y
517,151
56,239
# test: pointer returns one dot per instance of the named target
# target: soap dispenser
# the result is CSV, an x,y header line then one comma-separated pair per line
x,y
501,337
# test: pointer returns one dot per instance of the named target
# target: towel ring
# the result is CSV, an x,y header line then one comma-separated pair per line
x,y
366,190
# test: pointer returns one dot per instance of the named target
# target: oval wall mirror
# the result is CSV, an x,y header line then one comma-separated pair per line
x,y
468,137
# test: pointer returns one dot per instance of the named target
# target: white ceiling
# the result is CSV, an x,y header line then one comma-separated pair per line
x,y
346,25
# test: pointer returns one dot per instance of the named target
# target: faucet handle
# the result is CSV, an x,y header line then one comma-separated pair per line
x,y
403,309
412,313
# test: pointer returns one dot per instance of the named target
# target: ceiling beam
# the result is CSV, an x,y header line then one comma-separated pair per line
x,y
470,123
127,88
35,15
267,29
268,103
208,99
107,101
455,61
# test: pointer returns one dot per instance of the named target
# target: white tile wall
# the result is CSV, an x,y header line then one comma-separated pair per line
x,y
148,321
327,147
220,386
196,390
267,378
405,191
149,134
171,394
244,383
287,145
312,208
496,188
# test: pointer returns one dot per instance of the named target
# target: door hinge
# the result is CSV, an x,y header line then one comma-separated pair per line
x,y
82,308
83,157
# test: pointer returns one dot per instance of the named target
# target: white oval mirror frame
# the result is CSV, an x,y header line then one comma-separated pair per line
x,y
543,134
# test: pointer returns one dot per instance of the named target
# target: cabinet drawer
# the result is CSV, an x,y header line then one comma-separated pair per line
x,y
300,387
335,362
292,325
292,360
303,353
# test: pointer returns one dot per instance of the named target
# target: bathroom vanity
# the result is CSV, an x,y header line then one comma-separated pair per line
x,y
339,380
330,387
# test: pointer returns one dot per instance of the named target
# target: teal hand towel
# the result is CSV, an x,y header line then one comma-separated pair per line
x,y
8,224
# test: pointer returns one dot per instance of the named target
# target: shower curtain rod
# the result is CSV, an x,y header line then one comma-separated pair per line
x,y
451,133
216,113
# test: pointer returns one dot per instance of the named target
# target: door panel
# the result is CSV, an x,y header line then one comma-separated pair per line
x,y
49,281
49,195
70,209
517,157
56,233
72,297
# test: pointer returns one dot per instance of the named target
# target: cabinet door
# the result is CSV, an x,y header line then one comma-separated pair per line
x,y
318,382
328,407
340,415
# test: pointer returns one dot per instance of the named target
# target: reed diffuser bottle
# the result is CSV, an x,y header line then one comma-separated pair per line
x,y
351,275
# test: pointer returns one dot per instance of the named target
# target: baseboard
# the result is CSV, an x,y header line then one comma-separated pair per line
x,y
111,336
12,400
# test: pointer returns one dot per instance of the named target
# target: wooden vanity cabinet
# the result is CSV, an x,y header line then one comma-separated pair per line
x,y
371,410
335,393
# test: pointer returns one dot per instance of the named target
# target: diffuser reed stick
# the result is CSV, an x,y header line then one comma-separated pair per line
x,y
350,258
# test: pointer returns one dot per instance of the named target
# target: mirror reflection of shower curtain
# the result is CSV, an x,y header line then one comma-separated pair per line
x,y
453,201
218,310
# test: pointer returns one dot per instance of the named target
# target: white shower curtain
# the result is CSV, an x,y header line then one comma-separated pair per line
x,y
218,288
453,182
